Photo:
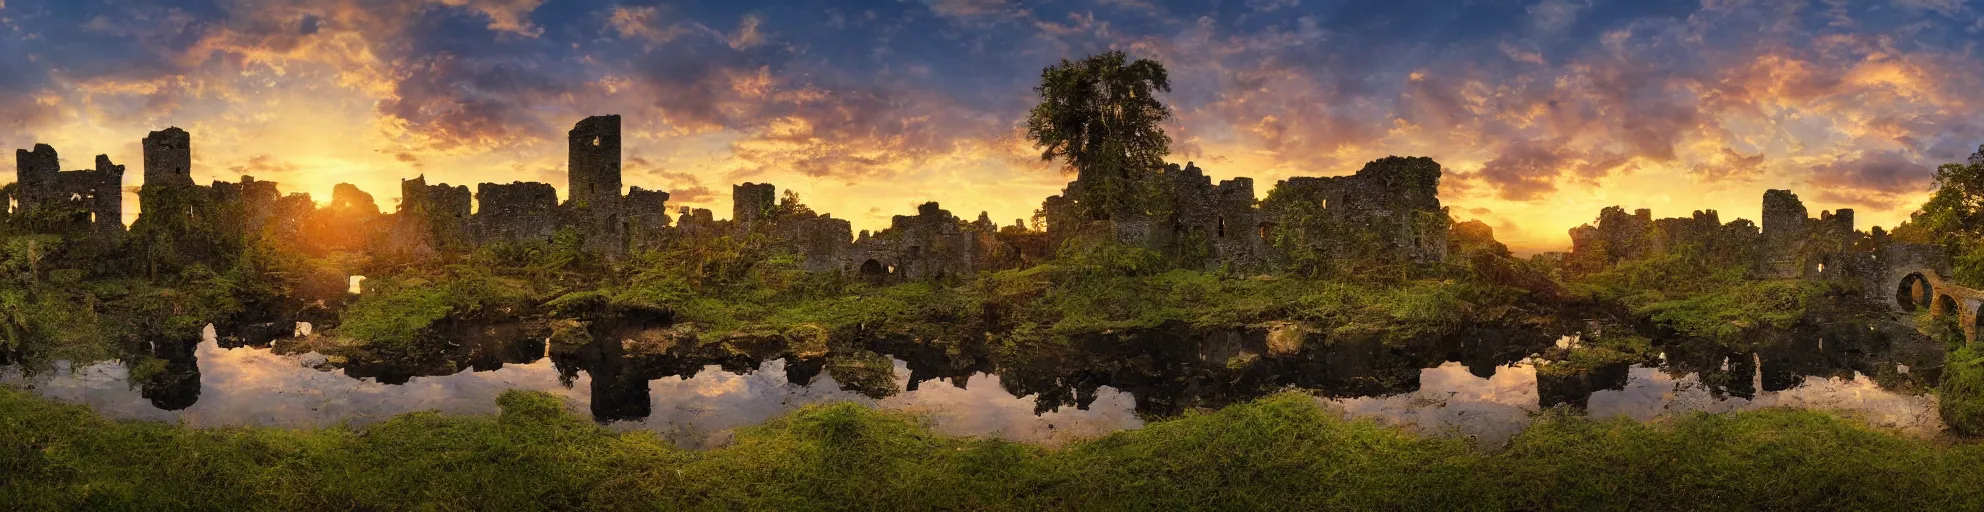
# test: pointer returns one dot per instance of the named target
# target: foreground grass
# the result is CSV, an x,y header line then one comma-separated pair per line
x,y
1282,452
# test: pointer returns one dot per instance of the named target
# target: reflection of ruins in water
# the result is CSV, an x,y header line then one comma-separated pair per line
x,y
1481,385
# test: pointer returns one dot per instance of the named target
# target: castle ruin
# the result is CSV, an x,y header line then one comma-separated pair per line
x,y
1388,209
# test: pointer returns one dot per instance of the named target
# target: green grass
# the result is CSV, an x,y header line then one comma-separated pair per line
x,y
1282,452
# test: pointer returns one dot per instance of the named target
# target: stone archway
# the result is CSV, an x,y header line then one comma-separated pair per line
x,y
1914,292
1946,306
874,272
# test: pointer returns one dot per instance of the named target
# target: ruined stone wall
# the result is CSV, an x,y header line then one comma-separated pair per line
x,y
1389,209
931,244
752,202
647,217
1063,218
34,172
350,223
1232,210
347,197
823,243
105,190
698,222
1785,229
288,214
431,218
253,200
84,201
519,212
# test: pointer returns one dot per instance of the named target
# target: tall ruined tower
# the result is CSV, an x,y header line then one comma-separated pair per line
x,y
1786,227
594,183
167,198
752,202
168,158
107,204
35,172
594,179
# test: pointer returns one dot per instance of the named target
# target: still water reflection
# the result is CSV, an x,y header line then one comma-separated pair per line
x,y
1488,394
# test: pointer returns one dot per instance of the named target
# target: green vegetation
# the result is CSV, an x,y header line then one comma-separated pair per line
x,y
1961,395
1283,452
1954,218
1102,118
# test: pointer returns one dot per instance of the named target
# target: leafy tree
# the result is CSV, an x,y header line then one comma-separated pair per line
x,y
1100,117
1954,217
1955,210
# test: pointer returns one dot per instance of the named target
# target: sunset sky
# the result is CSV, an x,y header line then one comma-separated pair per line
x,y
1542,111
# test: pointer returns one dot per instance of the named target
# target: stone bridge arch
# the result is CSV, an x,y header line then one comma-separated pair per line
x,y
1916,288
1914,292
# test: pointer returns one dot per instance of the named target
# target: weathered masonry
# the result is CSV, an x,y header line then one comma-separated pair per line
x,y
1388,209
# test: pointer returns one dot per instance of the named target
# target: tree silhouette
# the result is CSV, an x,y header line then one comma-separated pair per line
x,y
1100,117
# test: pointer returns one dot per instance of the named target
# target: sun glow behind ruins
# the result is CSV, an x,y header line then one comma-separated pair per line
x,y
1541,111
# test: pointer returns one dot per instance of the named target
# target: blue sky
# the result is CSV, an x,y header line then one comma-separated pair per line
x,y
1542,111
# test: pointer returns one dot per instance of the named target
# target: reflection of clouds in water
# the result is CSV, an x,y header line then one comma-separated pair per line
x,y
256,386
984,408
702,410
1650,394
251,386
247,386
1451,400
103,386
706,408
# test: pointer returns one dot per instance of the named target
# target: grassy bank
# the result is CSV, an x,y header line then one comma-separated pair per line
x,y
1284,452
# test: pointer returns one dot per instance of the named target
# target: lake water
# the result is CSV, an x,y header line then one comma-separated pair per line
x,y
1481,389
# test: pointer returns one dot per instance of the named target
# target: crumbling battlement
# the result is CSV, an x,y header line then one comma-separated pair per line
x,y
84,200
931,244
431,217
1390,206
1220,217
1787,245
519,212
250,202
698,222
1785,228
34,174
168,159
347,198
352,222
1393,199
823,242
752,202
647,217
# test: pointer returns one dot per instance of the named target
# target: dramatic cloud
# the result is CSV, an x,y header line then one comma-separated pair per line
x,y
1541,111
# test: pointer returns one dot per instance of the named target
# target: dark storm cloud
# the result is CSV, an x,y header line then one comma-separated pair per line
x,y
1877,174
1527,170
475,101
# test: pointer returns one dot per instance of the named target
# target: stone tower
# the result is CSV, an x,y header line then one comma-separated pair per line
x,y
752,202
35,172
594,179
594,184
107,204
168,158
1786,226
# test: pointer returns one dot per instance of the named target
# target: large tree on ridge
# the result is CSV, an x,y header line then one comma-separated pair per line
x,y
1100,117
